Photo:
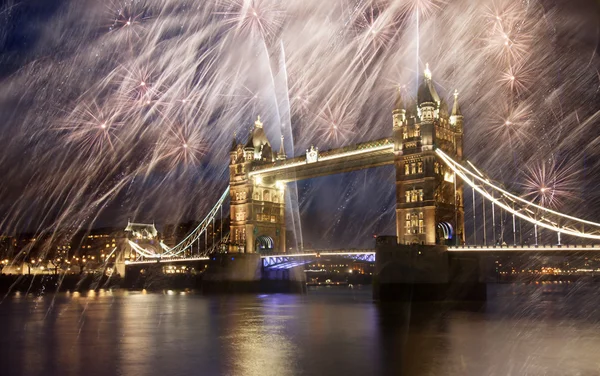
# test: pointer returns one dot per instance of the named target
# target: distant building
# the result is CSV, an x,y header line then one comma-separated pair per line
x,y
141,240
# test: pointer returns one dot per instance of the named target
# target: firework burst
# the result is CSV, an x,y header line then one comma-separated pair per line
x,y
337,125
375,28
170,87
92,129
254,17
182,147
550,183
127,18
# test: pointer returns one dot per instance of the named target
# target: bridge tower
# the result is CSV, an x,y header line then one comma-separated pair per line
x,y
257,205
429,199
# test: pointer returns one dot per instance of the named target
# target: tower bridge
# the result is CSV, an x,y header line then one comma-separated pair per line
x,y
429,204
426,148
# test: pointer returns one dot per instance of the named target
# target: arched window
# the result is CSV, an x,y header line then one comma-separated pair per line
x,y
266,195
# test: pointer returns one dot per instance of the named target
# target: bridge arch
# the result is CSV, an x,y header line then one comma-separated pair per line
x,y
264,243
445,232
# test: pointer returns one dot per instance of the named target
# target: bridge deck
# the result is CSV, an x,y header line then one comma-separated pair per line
x,y
366,155
369,254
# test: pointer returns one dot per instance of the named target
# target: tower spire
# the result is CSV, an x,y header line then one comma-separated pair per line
x,y
399,102
281,155
399,113
258,123
234,142
456,107
427,72
427,92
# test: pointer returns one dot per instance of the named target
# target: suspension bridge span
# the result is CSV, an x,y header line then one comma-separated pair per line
x,y
426,149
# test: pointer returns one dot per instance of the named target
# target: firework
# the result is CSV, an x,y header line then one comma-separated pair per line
x,y
92,129
255,17
550,183
172,80
337,124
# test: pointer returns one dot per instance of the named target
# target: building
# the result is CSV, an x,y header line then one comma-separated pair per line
x,y
141,240
429,198
257,205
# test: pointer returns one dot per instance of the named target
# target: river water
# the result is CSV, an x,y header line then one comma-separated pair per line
x,y
543,329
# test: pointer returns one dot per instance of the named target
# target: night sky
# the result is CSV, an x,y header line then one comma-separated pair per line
x,y
59,61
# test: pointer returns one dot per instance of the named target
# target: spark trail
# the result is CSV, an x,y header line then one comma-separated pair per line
x,y
161,75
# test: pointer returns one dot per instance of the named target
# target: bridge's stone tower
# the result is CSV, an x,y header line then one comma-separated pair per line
x,y
257,205
429,198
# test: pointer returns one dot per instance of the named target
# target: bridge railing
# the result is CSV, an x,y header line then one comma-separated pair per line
x,y
534,214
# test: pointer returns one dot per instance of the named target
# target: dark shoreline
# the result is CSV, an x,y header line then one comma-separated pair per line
x,y
44,284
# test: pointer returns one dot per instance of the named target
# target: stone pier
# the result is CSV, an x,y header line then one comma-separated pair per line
x,y
425,273
244,273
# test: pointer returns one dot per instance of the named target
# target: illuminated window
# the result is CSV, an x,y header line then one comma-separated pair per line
x,y
413,168
421,226
436,168
406,169
420,167
407,217
408,227
413,223
408,197
421,195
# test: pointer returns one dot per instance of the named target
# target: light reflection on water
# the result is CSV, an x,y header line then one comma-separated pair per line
x,y
521,330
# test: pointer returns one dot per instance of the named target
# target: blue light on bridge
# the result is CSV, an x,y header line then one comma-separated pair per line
x,y
291,261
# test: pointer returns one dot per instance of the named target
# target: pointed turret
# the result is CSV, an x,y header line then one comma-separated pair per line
x,y
399,113
233,143
249,143
249,148
258,123
399,106
281,155
427,92
233,151
258,139
428,98
456,118
455,107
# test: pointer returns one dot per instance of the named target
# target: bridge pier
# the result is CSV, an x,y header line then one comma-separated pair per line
x,y
232,273
244,273
425,273
291,280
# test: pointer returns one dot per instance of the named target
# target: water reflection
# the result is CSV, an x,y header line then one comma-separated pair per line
x,y
523,329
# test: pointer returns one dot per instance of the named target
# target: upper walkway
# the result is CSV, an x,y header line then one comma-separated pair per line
x,y
320,163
